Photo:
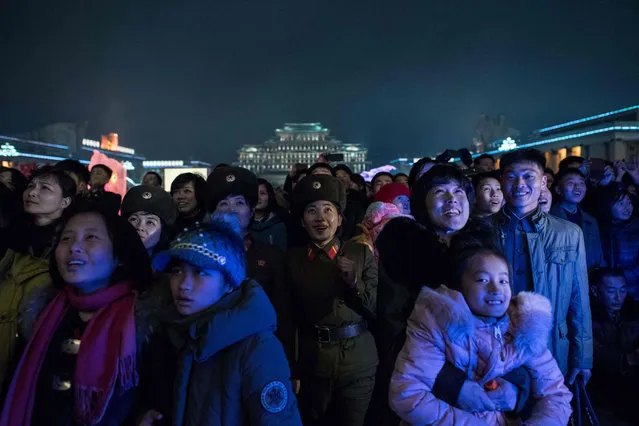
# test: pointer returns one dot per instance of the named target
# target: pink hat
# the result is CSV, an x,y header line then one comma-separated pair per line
x,y
389,192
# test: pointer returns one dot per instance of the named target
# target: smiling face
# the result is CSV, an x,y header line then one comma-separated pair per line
x,y
486,285
489,197
447,207
237,205
84,256
185,199
545,200
321,220
148,227
195,289
43,198
572,189
622,209
522,184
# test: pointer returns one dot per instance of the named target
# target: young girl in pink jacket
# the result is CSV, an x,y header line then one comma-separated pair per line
x,y
478,328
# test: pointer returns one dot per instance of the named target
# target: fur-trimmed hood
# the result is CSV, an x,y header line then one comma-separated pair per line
x,y
528,320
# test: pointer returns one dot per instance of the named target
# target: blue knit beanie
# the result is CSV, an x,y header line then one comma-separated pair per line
x,y
216,245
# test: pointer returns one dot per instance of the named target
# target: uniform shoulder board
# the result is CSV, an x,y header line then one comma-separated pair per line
x,y
274,397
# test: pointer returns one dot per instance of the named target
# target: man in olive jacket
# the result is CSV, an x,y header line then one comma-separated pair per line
x,y
548,256
334,289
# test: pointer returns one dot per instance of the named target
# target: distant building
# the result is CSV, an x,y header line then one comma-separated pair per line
x,y
612,135
490,131
298,143
60,141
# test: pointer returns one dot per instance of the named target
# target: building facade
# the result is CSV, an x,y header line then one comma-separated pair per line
x,y
612,135
298,143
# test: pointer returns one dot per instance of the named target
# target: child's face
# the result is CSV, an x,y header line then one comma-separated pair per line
x,y
612,292
195,289
486,285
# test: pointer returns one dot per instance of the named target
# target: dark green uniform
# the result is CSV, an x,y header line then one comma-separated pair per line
x,y
337,374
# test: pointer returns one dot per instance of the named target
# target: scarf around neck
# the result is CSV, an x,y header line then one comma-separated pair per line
x,y
106,356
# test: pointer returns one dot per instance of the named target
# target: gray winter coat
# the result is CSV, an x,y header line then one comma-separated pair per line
x,y
558,258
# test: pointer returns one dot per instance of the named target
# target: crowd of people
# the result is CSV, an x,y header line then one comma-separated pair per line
x,y
481,294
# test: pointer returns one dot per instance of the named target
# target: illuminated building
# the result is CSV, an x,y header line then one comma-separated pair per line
x,y
612,135
298,143
61,141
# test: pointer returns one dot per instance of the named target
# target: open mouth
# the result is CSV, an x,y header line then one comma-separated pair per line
x,y
494,302
452,213
320,228
521,193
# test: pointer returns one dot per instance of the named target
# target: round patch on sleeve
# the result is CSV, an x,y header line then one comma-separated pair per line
x,y
274,397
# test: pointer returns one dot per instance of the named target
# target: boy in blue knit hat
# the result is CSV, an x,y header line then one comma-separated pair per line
x,y
231,370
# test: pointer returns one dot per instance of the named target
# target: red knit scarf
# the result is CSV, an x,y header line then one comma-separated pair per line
x,y
106,354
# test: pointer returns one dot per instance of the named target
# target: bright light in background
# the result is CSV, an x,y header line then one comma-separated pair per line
x,y
370,174
117,183
128,165
8,150
508,144
171,174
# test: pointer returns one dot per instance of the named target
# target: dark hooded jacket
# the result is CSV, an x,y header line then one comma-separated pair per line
x,y
231,370
271,231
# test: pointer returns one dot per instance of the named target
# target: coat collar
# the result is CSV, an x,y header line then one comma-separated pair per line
x,y
331,250
537,218
528,319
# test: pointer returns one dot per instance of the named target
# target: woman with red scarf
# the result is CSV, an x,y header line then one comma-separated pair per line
x,y
80,366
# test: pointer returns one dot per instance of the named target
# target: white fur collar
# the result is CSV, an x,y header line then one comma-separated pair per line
x,y
529,315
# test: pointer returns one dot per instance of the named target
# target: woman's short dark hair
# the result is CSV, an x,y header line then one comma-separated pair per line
x,y
272,200
413,175
440,174
75,167
66,182
134,263
17,178
199,184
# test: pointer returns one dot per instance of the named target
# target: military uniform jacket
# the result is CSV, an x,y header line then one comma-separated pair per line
x,y
322,298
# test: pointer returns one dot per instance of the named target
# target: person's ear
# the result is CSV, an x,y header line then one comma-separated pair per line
x,y
66,202
544,180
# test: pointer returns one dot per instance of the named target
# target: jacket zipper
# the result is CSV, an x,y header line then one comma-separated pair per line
x,y
500,339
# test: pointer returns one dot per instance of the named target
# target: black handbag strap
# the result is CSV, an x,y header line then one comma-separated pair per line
x,y
585,400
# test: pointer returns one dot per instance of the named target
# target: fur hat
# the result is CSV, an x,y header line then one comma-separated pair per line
x,y
388,193
151,200
216,245
225,181
319,187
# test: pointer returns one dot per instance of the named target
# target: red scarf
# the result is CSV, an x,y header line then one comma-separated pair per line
x,y
106,354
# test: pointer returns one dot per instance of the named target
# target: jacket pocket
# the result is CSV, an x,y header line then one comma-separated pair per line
x,y
562,256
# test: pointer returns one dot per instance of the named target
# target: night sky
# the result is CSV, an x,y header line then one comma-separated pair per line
x,y
199,79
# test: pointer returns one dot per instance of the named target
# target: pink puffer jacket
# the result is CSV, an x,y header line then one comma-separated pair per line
x,y
442,328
